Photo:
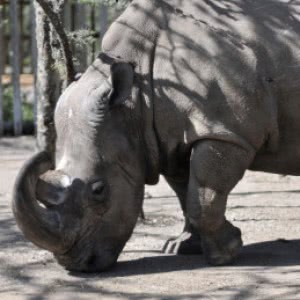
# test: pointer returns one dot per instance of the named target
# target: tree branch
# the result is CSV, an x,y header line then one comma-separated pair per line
x,y
58,26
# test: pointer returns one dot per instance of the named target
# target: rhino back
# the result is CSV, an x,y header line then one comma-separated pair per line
x,y
230,74
221,69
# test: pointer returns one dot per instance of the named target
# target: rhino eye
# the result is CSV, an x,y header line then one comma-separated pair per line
x,y
97,188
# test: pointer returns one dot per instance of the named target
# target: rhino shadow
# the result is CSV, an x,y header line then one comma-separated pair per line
x,y
278,253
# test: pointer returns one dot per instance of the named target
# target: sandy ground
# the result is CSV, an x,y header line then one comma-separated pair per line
x,y
266,208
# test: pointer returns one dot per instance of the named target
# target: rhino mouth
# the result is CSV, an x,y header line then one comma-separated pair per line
x,y
96,261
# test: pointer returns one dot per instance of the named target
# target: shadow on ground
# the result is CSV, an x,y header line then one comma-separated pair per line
x,y
253,257
268,254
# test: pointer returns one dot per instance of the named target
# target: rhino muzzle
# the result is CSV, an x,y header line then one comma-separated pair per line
x,y
49,207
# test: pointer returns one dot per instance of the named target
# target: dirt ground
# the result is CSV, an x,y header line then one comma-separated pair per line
x,y
266,207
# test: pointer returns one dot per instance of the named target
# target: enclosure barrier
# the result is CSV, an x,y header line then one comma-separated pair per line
x,y
85,25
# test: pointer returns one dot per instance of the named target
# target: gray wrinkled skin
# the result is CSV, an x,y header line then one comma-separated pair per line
x,y
198,91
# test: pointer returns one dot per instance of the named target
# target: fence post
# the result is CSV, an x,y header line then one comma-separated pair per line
x,y
92,53
34,55
103,20
15,45
1,70
21,34
81,49
67,18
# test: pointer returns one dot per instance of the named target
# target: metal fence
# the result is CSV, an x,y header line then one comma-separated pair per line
x,y
18,54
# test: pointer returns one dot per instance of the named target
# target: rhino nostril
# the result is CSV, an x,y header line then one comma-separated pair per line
x,y
97,188
92,263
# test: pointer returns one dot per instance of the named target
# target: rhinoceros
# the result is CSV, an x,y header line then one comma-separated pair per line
x,y
197,91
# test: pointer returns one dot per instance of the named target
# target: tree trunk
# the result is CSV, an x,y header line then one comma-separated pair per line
x,y
48,83
53,10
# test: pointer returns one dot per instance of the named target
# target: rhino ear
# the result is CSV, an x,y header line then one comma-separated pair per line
x,y
122,75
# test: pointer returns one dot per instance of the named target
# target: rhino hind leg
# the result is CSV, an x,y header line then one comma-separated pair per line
x,y
215,168
189,241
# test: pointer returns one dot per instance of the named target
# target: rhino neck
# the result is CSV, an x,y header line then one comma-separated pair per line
x,y
142,95
138,113
133,38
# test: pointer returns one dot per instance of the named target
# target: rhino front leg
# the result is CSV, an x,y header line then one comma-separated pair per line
x,y
189,241
215,168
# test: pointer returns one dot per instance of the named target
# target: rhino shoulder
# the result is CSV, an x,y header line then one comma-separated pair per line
x,y
131,34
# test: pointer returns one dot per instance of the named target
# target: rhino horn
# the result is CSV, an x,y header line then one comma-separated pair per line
x,y
40,224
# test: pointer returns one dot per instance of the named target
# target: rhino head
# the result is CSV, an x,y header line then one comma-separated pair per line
x,y
84,210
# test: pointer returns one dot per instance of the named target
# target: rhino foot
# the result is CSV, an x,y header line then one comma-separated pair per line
x,y
223,246
187,243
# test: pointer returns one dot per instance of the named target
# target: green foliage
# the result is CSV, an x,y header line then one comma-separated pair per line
x,y
27,108
60,67
8,103
82,37
27,111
